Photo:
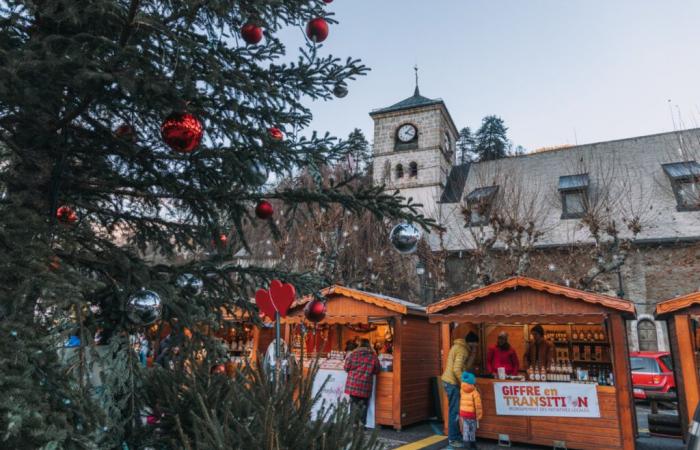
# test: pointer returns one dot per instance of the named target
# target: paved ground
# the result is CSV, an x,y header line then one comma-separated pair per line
x,y
426,436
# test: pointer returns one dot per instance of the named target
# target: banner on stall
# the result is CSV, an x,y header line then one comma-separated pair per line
x,y
546,399
334,391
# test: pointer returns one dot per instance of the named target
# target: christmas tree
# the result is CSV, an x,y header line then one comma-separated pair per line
x,y
136,139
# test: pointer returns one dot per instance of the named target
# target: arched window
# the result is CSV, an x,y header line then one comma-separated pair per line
x,y
646,331
413,169
399,171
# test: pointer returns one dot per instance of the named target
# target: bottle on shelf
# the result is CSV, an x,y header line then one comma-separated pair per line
x,y
574,335
589,336
530,374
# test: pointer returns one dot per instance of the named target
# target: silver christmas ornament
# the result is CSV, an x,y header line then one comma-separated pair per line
x,y
190,283
340,90
144,308
404,237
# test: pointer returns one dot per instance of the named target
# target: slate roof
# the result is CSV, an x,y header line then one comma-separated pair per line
x,y
416,100
455,184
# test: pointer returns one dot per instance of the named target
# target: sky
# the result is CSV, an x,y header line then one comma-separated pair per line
x,y
557,71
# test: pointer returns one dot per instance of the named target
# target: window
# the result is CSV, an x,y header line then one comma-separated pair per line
x,y
399,171
685,180
646,365
574,195
668,362
413,169
479,203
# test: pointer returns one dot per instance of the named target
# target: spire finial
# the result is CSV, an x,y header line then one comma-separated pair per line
x,y
416,92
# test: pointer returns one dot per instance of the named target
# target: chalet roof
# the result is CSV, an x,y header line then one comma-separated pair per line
x,y
383,301
624,306
678,303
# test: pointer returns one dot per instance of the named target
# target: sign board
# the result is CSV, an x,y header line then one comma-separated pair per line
x,y
546,399
334,391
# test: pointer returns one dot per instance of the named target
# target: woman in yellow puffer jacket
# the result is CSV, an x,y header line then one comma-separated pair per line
x,y
470,410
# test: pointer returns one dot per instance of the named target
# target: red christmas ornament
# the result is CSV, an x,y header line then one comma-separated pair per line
x,y
182,132
54,263
126,132
264,210
317,29
315,311
275,133
251,33
65,214
328,1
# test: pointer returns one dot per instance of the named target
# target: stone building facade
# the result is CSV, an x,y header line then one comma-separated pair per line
x,y
648,187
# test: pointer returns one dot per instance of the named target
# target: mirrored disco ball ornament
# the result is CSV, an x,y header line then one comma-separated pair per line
x,y
340,90
144,308
404,237
190,283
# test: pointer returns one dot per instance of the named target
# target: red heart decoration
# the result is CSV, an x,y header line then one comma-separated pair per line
x,y
262,299
282,295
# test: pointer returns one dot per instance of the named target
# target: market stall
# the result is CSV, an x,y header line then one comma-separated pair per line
x,y
407,346
582,397
682,315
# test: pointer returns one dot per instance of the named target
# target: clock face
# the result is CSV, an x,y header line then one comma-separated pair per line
x,y
407,133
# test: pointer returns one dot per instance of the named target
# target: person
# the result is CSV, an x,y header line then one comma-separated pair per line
x,y
470,410
350,345
502,355
361,365
539,352
460,358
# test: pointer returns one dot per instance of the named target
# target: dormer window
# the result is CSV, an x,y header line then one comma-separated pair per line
x,y
574,195
413,170
685,180
399,171
479,204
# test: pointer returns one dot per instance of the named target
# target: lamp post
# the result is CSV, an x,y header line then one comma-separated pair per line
x,y
420,271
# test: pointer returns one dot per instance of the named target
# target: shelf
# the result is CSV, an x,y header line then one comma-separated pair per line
x,y
590,362
589,343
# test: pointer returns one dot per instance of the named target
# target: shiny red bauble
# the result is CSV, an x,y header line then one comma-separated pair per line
x,y
327,1
275,133
315,311
182,132
317,29
65,214
251,33
264,210
126,132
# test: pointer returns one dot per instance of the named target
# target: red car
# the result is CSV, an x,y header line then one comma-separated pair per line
x,y
651,371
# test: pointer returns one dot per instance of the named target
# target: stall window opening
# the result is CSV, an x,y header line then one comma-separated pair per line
x,y
573,190
479,204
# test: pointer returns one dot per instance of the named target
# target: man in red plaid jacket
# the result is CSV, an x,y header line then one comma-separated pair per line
x,y
361,365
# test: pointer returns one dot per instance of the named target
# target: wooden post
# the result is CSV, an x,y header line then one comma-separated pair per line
x,y
446,341
397,374
623,382
686,371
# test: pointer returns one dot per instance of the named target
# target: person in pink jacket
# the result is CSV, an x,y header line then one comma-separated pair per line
x,y
502,355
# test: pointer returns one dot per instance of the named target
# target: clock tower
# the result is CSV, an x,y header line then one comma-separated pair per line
x,y
414,149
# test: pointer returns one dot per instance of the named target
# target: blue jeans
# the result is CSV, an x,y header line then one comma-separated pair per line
x,y
452,392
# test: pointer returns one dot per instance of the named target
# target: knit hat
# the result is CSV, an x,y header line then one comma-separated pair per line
x,y
468,377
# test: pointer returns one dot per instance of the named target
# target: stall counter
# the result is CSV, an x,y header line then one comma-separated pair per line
x,y
577,432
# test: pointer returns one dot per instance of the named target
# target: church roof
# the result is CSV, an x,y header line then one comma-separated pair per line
x,y
415,101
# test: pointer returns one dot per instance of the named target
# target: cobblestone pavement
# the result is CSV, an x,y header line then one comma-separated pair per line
x,y
396,439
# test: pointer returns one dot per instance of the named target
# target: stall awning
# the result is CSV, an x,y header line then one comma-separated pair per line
x,y
677,304
390,304
481,305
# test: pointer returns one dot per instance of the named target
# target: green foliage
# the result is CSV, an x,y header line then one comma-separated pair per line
x,y
359,151
465,145
70,74
205,411
491,139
